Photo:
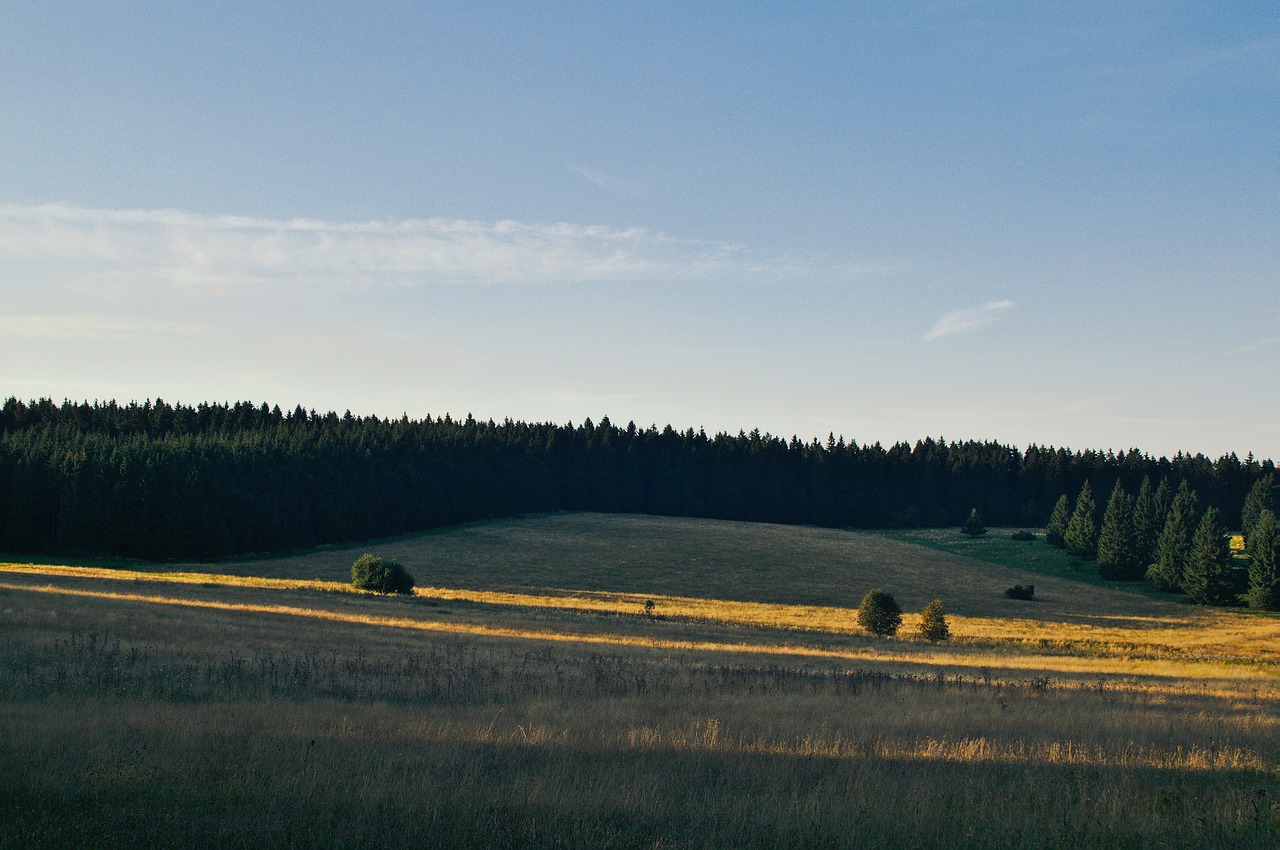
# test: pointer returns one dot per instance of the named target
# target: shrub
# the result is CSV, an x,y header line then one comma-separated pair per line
x,y
1019,591
1023,535
880,613
381,575
933,624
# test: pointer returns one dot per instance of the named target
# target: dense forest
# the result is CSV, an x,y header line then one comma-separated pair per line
x,y
156,480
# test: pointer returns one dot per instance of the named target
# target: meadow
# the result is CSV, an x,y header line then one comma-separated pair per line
x,y
527,695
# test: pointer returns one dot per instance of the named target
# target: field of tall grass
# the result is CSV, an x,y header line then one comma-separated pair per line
x,y
526,696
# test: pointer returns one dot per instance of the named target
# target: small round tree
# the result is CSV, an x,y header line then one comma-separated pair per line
x,y
933,623
880,613
381,575
973,525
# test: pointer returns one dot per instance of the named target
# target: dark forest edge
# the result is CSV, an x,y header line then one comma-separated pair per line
x,y
154,480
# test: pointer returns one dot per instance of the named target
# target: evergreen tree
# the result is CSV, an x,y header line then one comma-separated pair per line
x,y
1257,501
1174,544
973,525
1163,503
1146,527
1264,574
1055,531
933,623
1081,536
1207,577
1117,554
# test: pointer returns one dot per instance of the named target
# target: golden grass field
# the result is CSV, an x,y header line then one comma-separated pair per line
x,y
524,697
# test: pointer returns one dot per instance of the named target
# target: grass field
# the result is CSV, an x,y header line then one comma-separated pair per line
x,y
524,698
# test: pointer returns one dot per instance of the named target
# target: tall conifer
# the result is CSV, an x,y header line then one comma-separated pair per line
x,y
1207,577
1257,501
1082,531
1174,544
1264,574
1117,556
1146,528
1055,531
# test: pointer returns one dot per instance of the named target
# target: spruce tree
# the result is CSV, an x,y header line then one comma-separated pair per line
x,y
933,623
1264,574
1174,544
973,525
1082,531
1207,577
1055,531
1163,502
1146,528
1117,555
1258,500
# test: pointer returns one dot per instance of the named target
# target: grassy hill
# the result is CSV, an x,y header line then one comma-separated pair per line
x,y
524,697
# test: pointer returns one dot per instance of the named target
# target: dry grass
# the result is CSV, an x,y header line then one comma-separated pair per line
x,y
526,699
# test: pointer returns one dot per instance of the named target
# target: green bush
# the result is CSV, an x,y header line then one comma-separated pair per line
x,y
880,613
1023,535
381,575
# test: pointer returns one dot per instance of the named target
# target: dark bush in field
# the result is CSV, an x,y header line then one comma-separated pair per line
x,y
880,613
381,575
1019,591
1023,535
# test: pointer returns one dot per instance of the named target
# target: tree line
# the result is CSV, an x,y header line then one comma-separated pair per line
x,y
1166,537
156,480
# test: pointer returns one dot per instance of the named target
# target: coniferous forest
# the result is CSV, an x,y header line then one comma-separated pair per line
x,y
155,480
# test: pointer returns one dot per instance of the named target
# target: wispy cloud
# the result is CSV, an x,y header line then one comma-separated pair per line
x,y
963,321
610,182
184,247
1254,346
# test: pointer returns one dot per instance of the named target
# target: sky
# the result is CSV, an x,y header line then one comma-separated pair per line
x,y
1049,223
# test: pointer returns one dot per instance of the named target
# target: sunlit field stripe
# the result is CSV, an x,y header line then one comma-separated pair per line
x,y
1144,674
712,736
1222,637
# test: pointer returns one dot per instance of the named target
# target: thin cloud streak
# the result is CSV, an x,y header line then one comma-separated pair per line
x,y
189,248
963,321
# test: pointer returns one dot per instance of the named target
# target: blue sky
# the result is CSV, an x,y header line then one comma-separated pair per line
x,y
1052,223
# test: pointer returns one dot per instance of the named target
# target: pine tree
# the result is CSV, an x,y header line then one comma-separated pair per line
x,y
1258,500
1117,555
1174,544
1055,531
1207,577
933,623
1146,527
973,525
1264,574
1082,531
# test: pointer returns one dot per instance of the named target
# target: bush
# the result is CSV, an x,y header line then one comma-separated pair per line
x,y
933,624
381,575
1020,592
1023,535
880,613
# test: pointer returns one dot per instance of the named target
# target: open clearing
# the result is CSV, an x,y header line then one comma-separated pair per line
x,y
524,697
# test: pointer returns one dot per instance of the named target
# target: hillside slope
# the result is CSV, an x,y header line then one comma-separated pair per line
x,y
738,561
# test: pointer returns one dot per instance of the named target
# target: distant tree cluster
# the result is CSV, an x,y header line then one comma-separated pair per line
x,y
155,480
1163,535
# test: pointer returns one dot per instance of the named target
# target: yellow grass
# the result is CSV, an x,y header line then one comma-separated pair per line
x,y
524,697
